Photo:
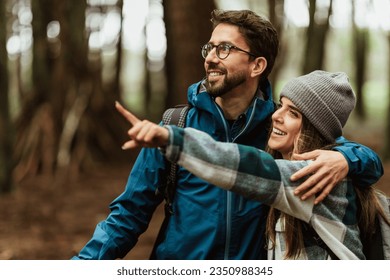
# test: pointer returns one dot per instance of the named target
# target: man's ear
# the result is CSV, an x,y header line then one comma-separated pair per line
x,y
259,65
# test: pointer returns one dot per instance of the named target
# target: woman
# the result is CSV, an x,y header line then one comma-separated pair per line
x,y
313,109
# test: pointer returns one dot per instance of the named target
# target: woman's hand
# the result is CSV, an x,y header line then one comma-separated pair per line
x,y
143,133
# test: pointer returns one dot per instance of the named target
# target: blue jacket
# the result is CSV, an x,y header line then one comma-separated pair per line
x,y
208,222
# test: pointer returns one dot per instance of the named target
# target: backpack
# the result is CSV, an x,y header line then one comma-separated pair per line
x,y
172,116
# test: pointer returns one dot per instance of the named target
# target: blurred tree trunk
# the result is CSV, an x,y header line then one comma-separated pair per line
x,y
117,80
361,39
361,49
69,119
6,132
316,38
92,129
276,12
188,27
386,152
41,122
148,82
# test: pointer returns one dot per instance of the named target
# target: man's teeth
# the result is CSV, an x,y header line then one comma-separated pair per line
x,y
278,132
215,74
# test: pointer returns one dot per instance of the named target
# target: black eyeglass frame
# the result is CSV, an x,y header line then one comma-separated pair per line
x,y
218,47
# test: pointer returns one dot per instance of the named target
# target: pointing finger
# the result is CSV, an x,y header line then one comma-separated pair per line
x,y
125,113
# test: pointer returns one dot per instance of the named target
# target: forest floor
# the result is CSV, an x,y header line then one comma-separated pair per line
x,y
41,220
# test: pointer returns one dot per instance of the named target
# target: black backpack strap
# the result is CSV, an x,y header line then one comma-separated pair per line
x,y
174,116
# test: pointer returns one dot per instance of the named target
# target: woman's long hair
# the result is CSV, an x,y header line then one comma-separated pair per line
x,y
369,208
310,139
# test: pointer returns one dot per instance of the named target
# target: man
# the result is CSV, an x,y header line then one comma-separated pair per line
x,y
232,104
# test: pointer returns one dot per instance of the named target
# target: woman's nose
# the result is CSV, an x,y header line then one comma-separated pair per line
x,y
277,116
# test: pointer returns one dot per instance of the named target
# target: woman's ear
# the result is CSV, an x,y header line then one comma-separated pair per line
x,y
260,64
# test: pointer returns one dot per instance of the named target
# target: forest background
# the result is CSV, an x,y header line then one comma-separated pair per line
x,y
64,63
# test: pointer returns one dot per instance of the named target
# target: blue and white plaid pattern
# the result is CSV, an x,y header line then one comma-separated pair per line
x,y
255,174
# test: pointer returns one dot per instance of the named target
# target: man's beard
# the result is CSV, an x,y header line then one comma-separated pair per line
x,y
229,82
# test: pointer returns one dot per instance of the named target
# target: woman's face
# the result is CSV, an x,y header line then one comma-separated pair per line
x,y
286,125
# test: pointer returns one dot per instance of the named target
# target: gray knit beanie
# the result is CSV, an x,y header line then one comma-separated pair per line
x,y
326,99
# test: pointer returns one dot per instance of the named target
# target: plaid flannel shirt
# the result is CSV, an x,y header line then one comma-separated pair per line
x,y
256,175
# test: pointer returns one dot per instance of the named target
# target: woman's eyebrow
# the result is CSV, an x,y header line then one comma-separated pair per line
x,y
294,108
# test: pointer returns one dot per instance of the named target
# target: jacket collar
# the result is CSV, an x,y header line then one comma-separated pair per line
x,y
261,107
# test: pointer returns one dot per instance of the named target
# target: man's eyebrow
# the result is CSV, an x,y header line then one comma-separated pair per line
x,y
221,42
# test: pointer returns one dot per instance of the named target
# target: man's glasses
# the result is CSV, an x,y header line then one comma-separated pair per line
x,y
222,50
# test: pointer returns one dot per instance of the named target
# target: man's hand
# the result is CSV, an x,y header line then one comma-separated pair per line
x,y
326,171
143,133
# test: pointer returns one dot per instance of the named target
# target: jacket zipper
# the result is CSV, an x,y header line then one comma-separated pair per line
x,y
241,203
247,123
228,193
